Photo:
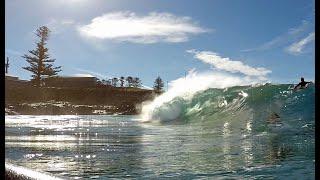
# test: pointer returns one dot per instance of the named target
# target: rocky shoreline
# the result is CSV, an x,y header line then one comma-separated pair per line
x,y
66,108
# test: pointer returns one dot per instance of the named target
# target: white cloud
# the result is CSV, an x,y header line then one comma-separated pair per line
x,y
67,22
268,45
282,40
57,26
153,28
297,47
229,65
305,24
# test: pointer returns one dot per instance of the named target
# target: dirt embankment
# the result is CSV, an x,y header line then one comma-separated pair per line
x,y
33,100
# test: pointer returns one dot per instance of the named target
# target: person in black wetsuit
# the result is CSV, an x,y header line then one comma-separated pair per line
x,y
302,84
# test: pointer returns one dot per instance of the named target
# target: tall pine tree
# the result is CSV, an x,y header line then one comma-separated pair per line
x,y
158,84
40,64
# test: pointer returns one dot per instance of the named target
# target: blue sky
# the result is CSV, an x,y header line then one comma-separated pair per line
x,y
147,38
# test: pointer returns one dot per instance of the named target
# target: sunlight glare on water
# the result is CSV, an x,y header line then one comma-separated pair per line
x,y
119,147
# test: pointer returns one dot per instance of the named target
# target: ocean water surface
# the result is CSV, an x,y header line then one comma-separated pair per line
x,y
235,133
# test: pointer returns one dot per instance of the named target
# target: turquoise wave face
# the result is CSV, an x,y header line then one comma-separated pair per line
x,y
266,105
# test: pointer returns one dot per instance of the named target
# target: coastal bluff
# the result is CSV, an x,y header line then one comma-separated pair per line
x,y
29,100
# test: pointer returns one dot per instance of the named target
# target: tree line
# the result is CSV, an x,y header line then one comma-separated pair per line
x,y
122,82
130,82
41,66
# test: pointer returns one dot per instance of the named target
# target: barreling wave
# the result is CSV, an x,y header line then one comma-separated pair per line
x,y
261,104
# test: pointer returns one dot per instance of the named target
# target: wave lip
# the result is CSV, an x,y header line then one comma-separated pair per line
x,y
183,89
232,102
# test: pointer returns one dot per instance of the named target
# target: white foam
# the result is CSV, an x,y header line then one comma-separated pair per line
x,y
186,87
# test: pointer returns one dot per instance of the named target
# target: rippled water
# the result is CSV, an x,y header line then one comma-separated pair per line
x,y
122,147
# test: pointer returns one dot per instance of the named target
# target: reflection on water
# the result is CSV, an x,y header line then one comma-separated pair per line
x,y
120,147
74,146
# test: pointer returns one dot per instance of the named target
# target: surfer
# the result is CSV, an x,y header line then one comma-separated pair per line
x,y
274,118
302,84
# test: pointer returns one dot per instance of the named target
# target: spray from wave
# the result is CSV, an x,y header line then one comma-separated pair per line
x,y
232,94
183,89
169,105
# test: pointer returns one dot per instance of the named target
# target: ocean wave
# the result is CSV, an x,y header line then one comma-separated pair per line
x,y
267,105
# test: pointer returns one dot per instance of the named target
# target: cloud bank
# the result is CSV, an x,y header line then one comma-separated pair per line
x,y
297,47
152,28
226,64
